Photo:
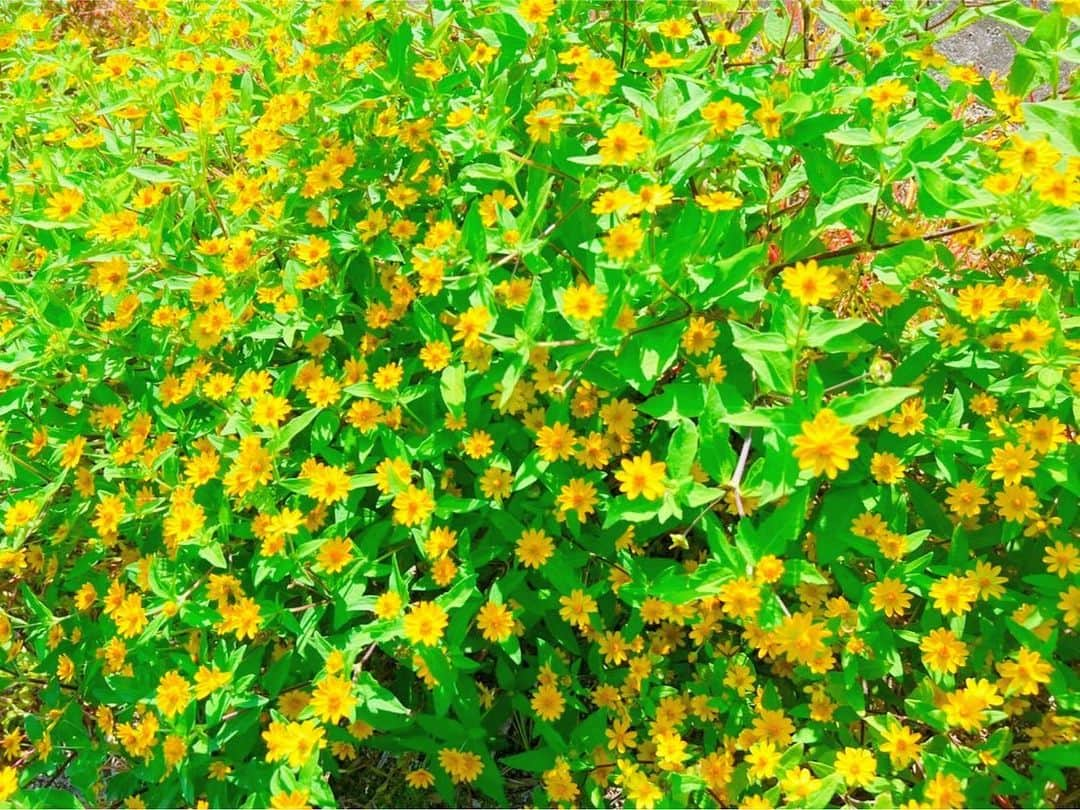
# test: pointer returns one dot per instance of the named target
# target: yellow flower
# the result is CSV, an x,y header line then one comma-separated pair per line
x,y
763,758
741,598
1069,605
716,201
388,377
966,499
663,59
294,742
328,484
1026,673
536,11
943,652
826,445
1028,158
577,496
856,766
676,28
425,623
641,476
548,703
209,680
478,444
909,419
333,699
388,606
543,121
584,302
768,118
461,766
534,548
901,744
242,618
269,410
174,749
459,117
595,76
724,115
1062,559
944,790
576,608
559,783
130,617
413,506
64,204
809,284
980,301
622,144
624,240
1044,435
887,468
953,594
654,196
928,57
9,783
798,784
335,554
495,621
671,750
1002,183
1029,335
420,779
867,18
1058,188
886,95
173,694
984,577
1012,463
890,597
641,790
431,69
291,800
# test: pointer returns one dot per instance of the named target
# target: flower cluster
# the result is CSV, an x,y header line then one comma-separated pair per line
x,y
537,403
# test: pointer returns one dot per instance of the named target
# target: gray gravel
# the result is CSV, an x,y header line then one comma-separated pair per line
x,y
984,45
987,45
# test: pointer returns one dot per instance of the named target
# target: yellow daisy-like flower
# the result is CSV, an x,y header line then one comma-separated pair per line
x,y
333,699
624,240
717,201
461,766
642,477
808,283
622,144
826,445
425,623
584,302
888,94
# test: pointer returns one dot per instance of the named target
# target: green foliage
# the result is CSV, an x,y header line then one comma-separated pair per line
x,y
491,403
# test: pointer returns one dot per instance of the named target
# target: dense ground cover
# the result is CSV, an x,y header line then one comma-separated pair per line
x,y
642,403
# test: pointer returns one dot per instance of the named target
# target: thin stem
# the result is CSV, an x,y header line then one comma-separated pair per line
x,y
862,247
625,31
740,468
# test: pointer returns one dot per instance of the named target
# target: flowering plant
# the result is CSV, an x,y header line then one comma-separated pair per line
x,y
562,404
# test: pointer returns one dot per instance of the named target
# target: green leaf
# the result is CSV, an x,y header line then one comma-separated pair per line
x,y
682,451
1065,755
648,355
286,434
453,388
861,408
835,335
850,192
